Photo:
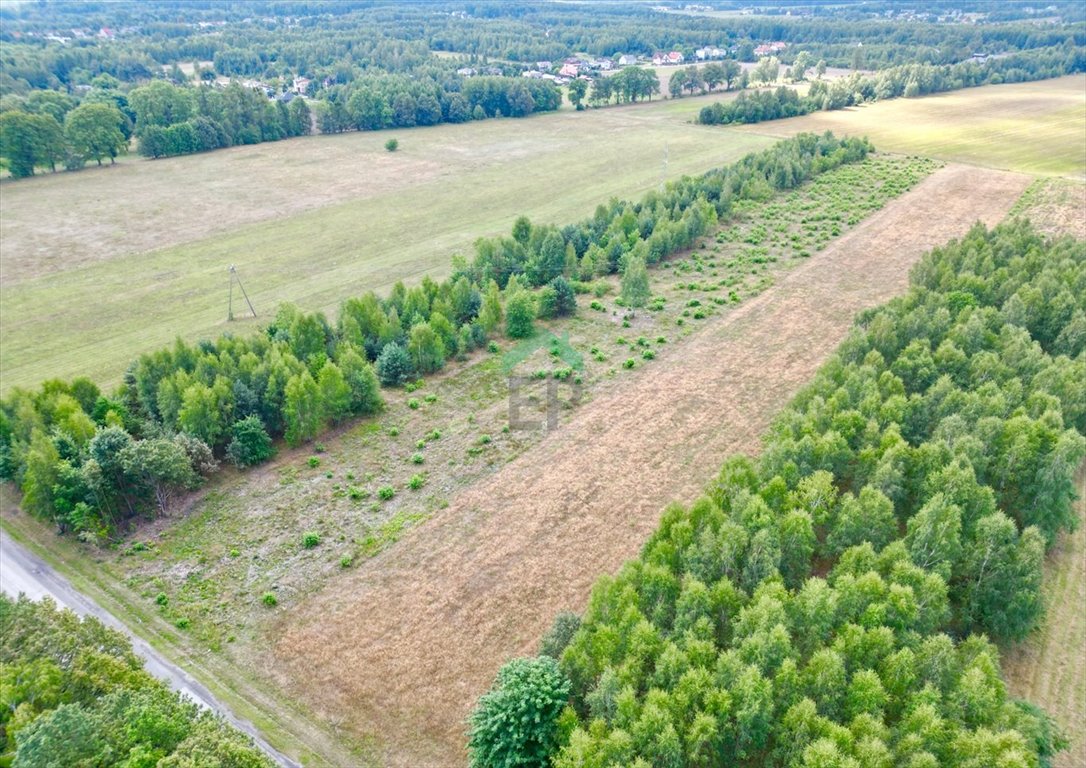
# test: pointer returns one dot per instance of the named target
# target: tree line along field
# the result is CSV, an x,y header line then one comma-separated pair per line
x,y
309,221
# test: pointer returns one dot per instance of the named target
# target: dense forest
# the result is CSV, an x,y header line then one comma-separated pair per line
x,y
74,78
90,462
835,602
75,694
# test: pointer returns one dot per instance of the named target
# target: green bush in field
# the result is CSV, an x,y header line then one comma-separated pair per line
x,y
310,540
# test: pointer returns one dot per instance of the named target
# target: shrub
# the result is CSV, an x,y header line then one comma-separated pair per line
x,y
386,492
235,553
346,561
434,435
183,623
251,444
392,145
565,300
430,398
483,440
417,458
519,315
630,363
492,347
413,403
546,303
516,722
416,482
354,493
648,354
269,599
313,462
393,365
596,305
310,540
393,431
162,599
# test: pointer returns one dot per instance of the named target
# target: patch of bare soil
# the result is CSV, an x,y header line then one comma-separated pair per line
x,y
401,647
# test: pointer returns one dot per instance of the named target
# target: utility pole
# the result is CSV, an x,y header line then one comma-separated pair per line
x,y
230,309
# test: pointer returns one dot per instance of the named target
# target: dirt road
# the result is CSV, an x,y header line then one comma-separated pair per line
x,y
401,648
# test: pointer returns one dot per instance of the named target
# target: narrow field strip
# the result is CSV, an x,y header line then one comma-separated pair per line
x,y
1049,669
401,647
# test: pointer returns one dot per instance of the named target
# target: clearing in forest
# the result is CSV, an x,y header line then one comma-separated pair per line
x,y
402,645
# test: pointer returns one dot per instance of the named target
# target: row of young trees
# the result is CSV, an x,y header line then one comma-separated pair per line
x,y
909,81
662,223
90,461
74,694
827,604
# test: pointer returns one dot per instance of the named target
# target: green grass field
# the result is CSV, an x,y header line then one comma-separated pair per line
x,y
1035,127
102,265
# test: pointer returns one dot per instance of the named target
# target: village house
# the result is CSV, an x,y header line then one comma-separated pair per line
x,y
671,58
569,70
769,49
300,85
709,52
627,59
465,72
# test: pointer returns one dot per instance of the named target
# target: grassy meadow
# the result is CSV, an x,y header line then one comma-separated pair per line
x,y
101,265
1037,128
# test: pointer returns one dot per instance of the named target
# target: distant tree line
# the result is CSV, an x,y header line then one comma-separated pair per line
x,y
75,694
90,462
827,603
346,39
374,102
630,84
175,120
909,81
